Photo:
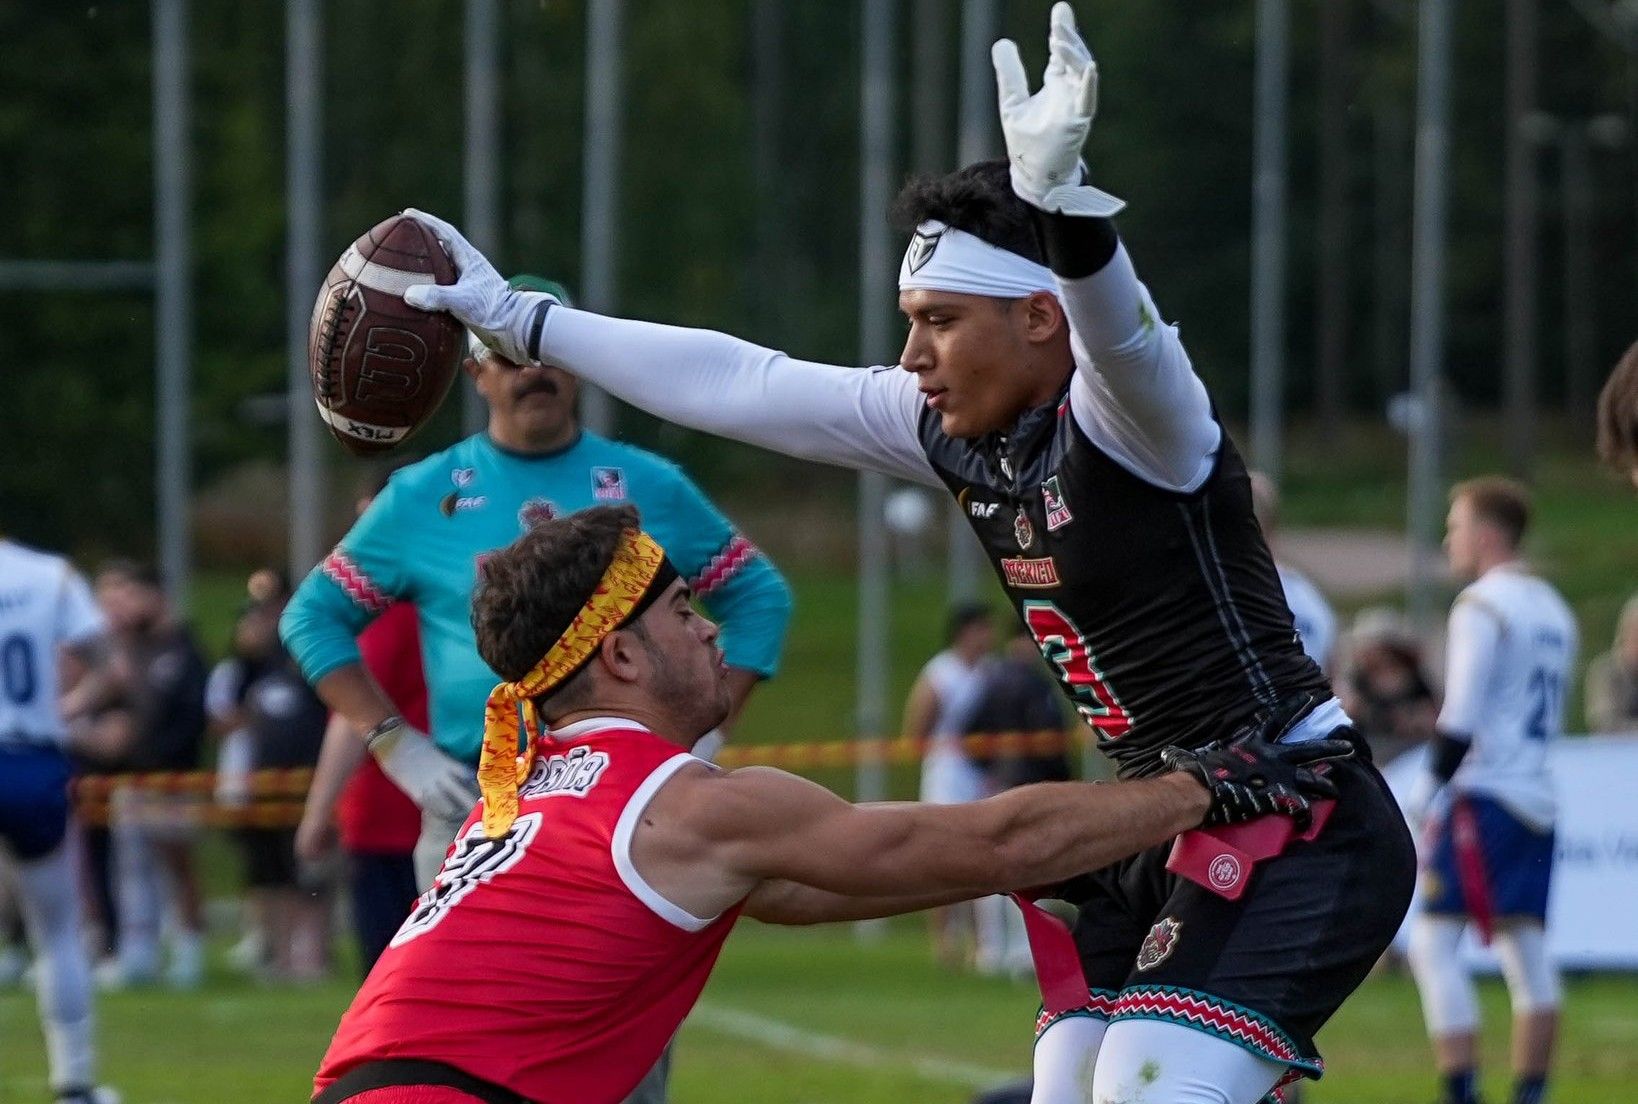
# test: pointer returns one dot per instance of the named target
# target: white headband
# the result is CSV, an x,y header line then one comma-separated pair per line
x,y
942,258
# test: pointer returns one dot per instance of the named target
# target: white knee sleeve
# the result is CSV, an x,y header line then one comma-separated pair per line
x,y
1449,1004
1532,976
1156,1062
51,914
1065,1055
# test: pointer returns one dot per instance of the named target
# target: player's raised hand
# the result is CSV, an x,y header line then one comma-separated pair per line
x,y
505,319
1045,131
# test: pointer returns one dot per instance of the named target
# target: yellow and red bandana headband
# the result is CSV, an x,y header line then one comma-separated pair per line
x,y
636,576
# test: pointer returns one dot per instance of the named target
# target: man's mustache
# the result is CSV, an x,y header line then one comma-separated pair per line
x,y
541,386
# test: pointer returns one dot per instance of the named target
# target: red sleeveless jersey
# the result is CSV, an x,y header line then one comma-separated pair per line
x,y
542,962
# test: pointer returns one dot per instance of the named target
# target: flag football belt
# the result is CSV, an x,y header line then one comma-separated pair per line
x,y
1218,859
390,1073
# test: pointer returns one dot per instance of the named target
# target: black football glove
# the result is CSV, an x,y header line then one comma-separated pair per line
x,y
1254,775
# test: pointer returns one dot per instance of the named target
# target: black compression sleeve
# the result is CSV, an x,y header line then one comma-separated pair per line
x,y
1447,753
1074,245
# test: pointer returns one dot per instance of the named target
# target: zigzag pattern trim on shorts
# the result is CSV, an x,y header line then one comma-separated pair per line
x,y
1100,1007
1226,1020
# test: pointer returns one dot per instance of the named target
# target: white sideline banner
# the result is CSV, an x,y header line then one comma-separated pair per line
x,y
1592,914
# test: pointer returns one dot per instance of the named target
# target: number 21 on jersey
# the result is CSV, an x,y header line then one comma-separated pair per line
x,y
1064,646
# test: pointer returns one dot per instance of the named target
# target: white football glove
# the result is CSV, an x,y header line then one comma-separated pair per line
x,y
1045,132
505,319
438,784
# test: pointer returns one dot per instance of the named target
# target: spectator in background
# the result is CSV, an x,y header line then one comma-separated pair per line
x,y
937,712
1618,417
224,706
378,822
156,723
1612,678
1316,621
285,721
1384,687
1016,696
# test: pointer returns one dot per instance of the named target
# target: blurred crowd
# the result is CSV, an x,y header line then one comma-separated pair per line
x,y
162,707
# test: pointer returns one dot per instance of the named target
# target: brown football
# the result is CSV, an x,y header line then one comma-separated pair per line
x,y
380,367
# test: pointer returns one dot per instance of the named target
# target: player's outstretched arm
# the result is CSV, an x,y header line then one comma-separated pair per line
x,y
853,417
756,825
1135,393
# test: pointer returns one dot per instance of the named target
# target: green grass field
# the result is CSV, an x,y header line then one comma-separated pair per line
x,y
798,1017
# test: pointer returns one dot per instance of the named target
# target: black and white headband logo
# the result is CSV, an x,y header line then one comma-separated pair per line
x,y
921,250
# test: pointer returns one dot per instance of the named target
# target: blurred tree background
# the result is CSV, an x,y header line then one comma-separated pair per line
x,y
738,202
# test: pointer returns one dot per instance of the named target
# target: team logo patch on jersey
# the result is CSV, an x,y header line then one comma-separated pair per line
x,y
1030,573
454,502
1159,944
608,484
462,477
1022,530
535,511
1057,511
920,250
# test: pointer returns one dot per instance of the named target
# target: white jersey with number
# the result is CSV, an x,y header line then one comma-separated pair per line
x,y
44,605
1509,658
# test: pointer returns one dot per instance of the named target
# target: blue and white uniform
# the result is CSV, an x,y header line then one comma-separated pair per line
x,y
1511,652
45,606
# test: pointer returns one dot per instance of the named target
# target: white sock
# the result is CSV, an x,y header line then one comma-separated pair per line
x,y
51,913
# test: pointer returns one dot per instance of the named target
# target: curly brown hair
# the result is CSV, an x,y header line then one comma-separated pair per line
x,y
529,591
1618,415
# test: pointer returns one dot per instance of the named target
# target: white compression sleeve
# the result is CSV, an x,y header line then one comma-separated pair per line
x,y
854,417
1450,1006
1135,393
1144,1060
1532,975
1065,1056
1470,652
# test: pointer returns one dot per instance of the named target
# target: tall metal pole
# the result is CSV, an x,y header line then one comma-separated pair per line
x,y
605,111
1519,319
768,282
1427,299
1268,235
978,133
481,171
877,111
977,139
1332,324
173,305
303,91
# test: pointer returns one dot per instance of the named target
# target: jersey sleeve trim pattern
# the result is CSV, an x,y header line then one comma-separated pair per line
x,y
723,565
344,571
620,848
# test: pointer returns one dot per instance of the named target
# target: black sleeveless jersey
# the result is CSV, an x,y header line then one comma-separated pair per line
x,y
1160,613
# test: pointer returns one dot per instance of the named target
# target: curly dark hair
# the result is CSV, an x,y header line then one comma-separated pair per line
x,y
529,591
978,199
1618,415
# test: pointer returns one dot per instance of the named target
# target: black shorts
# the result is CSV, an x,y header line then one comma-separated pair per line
x,y
270,857
1265,971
